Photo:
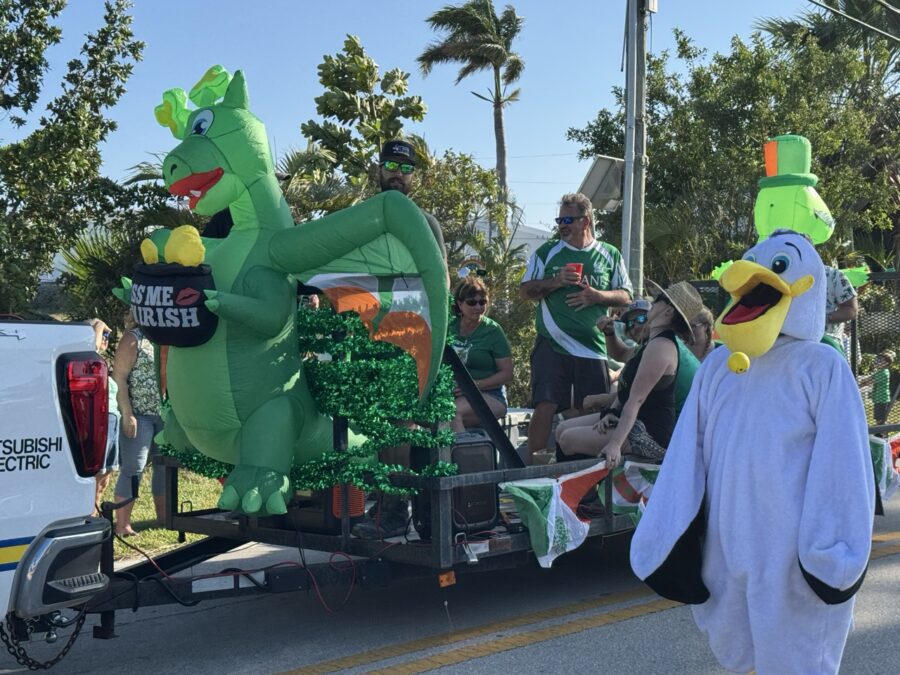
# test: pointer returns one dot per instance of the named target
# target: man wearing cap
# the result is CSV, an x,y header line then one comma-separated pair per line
x,y
396,168
390,516
574,280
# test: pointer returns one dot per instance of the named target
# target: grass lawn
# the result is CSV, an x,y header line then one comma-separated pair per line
x,y
202,493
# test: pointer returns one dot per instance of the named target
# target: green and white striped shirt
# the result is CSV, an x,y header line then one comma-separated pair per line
x,y
572,332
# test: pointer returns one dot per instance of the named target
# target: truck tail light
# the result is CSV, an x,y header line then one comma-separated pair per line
x,y
84,400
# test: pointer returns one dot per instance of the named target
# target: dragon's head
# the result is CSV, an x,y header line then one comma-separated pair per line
x,y
223,149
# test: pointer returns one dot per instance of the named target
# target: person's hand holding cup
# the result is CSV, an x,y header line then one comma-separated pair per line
x,y
571,273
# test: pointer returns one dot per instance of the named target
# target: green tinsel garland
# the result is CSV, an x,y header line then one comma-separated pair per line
x,y
375,386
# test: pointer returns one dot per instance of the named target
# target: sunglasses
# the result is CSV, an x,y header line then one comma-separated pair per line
x,y
639,320
471,302
567,220
106,335
391,165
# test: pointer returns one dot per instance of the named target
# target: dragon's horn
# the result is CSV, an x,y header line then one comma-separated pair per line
x,y
173,111
211,87
236,96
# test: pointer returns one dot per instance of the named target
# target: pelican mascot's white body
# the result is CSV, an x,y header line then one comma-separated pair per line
x,y
762,513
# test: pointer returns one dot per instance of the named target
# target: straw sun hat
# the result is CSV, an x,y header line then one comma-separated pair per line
x,y
684,298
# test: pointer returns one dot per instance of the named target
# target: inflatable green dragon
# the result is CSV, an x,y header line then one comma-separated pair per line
x,y
241,396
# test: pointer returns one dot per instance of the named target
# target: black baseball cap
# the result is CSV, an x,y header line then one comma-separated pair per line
x,y
399,151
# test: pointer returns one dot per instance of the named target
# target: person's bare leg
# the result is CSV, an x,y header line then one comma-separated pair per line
x,y
540,425
584,440
470,419
462,409
583,421
102,481
159,501
123,517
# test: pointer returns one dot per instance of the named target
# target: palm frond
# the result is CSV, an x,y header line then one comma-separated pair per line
x,y
512,68
144,172
510,25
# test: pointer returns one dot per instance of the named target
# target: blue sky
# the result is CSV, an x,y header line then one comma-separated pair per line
x,y
572,51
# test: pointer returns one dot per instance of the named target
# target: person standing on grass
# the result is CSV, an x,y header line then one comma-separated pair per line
x,y
574,280
134,372
880,379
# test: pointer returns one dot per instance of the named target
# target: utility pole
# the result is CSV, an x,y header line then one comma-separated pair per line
x,y
635,140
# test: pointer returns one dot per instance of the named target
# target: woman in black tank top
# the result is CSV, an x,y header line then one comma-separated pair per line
x,y
641,420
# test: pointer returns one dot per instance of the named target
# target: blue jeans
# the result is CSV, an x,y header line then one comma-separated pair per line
x,y
133,454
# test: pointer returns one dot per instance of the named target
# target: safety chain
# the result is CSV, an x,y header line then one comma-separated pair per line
x,y
20,655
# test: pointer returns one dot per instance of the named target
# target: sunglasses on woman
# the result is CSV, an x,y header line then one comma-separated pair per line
x,y
391,165
471,302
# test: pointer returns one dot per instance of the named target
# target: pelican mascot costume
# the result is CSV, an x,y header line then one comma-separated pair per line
x,y
761,517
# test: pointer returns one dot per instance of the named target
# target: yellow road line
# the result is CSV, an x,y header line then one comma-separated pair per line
x,y
402,649
511,642
463,654
886,536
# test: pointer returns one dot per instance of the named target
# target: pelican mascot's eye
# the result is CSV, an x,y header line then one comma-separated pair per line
x,y
781,263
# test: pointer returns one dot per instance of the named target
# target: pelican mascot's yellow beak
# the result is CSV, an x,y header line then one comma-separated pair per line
x,y
769,297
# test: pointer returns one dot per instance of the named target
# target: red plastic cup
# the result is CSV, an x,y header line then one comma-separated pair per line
x,y
578,268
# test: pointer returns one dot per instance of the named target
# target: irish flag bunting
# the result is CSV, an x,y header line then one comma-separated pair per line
x,y
632,484
548,508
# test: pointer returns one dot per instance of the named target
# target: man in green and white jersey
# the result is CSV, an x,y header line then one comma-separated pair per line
x,y
569,357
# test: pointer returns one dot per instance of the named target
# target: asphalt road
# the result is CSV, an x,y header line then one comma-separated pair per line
x,y
587,613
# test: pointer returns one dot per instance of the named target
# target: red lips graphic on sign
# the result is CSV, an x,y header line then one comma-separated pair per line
x,y
187,296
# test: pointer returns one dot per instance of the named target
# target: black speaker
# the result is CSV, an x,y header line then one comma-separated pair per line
x,y
475,507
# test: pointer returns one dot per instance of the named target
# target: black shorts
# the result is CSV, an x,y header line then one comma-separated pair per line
x,y
564,379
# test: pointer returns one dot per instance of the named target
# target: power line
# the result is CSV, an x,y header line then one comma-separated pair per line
x,y
889,6
855,20
542,182
560,154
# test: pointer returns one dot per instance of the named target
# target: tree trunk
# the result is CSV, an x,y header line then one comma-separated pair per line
x,y
500,137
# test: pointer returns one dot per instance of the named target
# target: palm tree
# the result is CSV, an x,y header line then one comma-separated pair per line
x,y
480,40
880,55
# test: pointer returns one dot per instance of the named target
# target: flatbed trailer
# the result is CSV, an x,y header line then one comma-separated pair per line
x,y
376,562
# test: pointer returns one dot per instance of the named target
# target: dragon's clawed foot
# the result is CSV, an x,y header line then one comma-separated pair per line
x,y
255,490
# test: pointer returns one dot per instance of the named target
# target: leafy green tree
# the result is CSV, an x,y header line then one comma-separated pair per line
x,y
50,186
25,38
707,121
875,92
480,39
460,193
107,251
310,184
361,109
832,31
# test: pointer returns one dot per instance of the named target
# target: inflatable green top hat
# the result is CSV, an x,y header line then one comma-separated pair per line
x,y
787,197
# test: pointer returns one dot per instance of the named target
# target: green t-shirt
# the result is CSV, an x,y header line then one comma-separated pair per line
x,y
479,349
881,386
569,331
684,376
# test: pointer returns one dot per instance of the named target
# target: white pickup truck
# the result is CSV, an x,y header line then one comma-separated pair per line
x,y
53,426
